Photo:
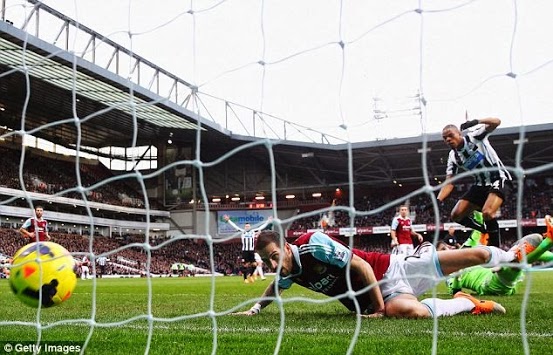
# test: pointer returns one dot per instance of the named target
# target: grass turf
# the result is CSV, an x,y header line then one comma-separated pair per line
x,y
183,324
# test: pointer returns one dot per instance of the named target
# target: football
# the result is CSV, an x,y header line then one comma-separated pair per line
x,y
43,273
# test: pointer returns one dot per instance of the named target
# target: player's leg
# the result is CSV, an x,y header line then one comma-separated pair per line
x,y
485,281
251,270
402,249
407,306
250,266
255,274
245,271
507,278
542,252
504,281
474,278
546,257
462,214
481,306
452,261
489,256
489,211
259,269
475,237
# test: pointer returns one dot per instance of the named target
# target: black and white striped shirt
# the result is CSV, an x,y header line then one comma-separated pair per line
x,y
248,237
478,153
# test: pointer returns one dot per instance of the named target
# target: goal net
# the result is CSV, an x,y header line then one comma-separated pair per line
x,y
321,73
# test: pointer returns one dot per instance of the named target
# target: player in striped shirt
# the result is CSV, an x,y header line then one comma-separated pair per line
x,y
248,246
492,181
102,262
384,284
35,227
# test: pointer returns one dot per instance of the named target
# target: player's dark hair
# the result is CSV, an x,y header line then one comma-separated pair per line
x,y
451,126
38,206
265,238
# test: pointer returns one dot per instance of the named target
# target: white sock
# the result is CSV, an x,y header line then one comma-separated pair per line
x,y
439,307
498,256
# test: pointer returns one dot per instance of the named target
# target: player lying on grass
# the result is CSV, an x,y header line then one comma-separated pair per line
x,y
504,280
384,284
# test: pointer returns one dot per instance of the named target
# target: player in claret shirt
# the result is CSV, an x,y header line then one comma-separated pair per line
x,y
35,227
384,284
402,233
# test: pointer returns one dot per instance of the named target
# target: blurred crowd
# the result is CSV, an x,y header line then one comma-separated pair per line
x,y
50,176
537,201
128,254
126,257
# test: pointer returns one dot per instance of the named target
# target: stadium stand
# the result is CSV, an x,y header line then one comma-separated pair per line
x,y
46,174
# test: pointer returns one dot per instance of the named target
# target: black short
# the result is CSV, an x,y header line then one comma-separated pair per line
x,y
478,195
248,256
102,269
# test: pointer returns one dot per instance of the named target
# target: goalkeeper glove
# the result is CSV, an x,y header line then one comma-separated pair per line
x,y
469,124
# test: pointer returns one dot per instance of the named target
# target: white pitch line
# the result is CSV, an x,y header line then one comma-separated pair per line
x,y
315,330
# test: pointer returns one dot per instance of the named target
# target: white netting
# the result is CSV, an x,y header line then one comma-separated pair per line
x,y
352,70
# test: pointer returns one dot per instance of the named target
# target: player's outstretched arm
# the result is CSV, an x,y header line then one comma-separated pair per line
x,y
46,234
256,308
264,225
368,277
394,241
26,234
491,123
233,225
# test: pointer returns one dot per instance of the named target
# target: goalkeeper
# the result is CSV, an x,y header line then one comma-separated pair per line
x,y
502,281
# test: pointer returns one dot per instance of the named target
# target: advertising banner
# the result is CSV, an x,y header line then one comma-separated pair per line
x,y
240,217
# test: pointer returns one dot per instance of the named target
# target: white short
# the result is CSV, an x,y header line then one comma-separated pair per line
x,y
413,274
403,249
85,269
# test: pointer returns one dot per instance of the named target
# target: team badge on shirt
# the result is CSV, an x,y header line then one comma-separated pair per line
x,y
340,255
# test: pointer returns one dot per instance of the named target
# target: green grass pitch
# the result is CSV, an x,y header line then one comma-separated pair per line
x,y
183,324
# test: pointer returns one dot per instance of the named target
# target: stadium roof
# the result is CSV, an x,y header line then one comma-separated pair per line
x,y
379,163
103,99
100,77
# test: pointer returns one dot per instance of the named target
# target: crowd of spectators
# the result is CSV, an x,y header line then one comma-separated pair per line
x,y
124,253
56,176
537,201
128,254
51,176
